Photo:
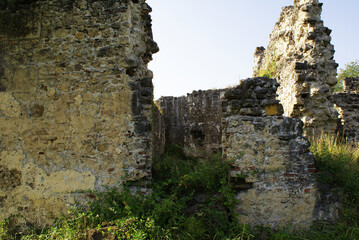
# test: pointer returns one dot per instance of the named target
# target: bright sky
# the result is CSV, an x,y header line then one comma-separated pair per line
x,y
207,44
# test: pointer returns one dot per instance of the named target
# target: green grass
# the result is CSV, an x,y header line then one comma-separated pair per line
x,y
192,199
338,165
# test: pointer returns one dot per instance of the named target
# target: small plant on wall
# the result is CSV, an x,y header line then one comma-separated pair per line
x,y
270,70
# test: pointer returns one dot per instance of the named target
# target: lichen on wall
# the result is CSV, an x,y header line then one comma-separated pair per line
x,y
75,103
301,51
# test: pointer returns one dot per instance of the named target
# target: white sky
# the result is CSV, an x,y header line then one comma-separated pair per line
x,y
207,44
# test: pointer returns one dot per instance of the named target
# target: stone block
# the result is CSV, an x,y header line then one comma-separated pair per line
x,y
274,109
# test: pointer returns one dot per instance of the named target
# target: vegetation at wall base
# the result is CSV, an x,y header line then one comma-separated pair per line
x,y
192,199
338,165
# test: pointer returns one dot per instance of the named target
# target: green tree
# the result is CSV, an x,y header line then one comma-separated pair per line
x,y
350,70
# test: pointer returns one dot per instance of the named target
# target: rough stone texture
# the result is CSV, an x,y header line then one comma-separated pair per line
x,y
300,46
351,84
271,166
253,97
193,121
75,102
347,104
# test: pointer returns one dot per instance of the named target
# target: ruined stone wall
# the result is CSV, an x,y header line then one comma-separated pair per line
x,y
75,101
271,166
347,103
272,169
193,121
300,49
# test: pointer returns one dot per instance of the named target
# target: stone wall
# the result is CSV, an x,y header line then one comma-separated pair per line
x,y
347,103
300,49
75,101
193,121
271,166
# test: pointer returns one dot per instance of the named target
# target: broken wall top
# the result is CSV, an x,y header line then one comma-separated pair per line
x,y
253,97
303,58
